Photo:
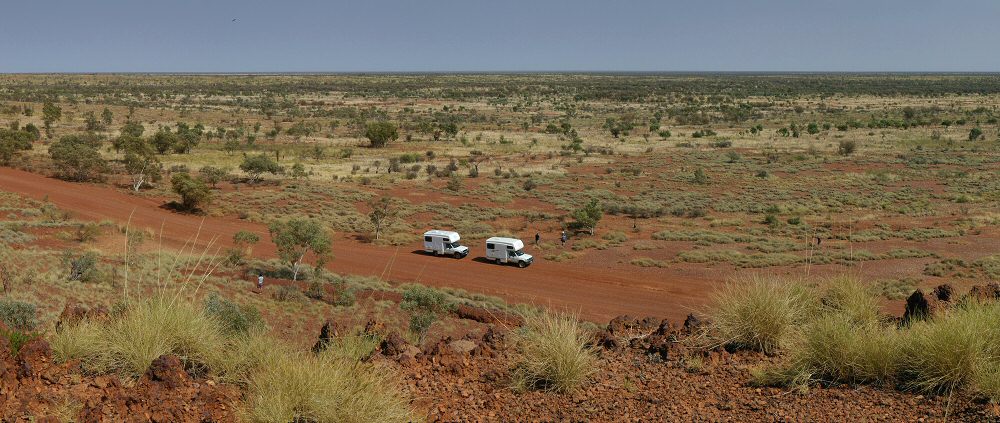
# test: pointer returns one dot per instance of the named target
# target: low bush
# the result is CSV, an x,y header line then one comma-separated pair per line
x,y
18,315
552,354
235,319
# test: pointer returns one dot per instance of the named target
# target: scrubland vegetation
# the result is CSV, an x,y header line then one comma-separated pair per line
x,y
833,332
664,184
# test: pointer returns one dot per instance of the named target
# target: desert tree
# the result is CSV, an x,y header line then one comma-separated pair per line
x,y
107,117
213,175
140,161
296,237
50,113
133,128
257,165
380,133
164,140
587,216
92,123
245,240
12,143
76,158
298,171
975,134
382,214
193,192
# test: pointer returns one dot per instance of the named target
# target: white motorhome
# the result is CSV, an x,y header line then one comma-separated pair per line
x,y
444,243
507,250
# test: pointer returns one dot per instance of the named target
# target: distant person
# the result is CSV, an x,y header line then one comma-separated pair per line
x,y
537,237
563,238
260,280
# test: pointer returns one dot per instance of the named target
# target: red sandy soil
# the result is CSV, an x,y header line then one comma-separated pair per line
x,y
595,292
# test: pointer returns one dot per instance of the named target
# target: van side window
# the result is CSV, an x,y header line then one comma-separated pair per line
x,y
427,239
510,247
489,246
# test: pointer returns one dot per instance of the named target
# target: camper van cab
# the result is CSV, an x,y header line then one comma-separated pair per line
x,y
507,250
444,243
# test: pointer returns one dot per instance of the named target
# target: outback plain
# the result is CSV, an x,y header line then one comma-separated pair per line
x,y
784,247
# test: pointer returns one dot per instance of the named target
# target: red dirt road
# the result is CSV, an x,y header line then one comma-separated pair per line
x,y
596,293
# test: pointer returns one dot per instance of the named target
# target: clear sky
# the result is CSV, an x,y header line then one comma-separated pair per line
x,y
498,35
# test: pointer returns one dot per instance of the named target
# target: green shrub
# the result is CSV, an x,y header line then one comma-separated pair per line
x,y
18,315
235,319
552,354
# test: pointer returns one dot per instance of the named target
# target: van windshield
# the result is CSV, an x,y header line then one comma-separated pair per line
x,y
517,253
452,245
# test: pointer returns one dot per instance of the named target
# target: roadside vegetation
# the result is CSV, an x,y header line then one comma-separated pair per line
x,y
833,332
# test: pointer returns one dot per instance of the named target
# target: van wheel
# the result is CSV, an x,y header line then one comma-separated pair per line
x,y
498,261
522,264
457,255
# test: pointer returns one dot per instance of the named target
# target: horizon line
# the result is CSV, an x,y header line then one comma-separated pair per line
x,y
518,72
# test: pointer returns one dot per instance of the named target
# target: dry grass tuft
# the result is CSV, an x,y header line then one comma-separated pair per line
x,y
759,312
552,354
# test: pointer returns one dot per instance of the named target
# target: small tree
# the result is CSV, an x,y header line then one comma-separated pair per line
x,y
297,237
164,140
12,143
133,128
298,171
381,133
143,167
76,158
975,133
455,183
700,177
194,193
587,216
846,147
92,123
382,214
245,240
255,166
213,175
50,113
107,117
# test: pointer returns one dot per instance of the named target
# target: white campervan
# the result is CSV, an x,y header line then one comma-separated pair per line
x,y
507,250
444,243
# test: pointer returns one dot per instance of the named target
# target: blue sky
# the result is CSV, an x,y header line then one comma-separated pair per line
x,y
513,35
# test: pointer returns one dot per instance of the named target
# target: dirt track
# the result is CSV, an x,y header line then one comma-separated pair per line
x,y
597,293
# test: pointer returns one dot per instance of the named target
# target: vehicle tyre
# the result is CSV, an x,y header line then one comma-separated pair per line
x,y
457,255
498,261
522,264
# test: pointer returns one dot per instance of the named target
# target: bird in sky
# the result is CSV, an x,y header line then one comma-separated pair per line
x,y
234,19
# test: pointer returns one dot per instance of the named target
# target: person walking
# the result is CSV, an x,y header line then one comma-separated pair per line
x,y
260,280
537,237
563,238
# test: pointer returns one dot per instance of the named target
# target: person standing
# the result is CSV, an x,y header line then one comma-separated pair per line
x,y
537,237
563,238
260,280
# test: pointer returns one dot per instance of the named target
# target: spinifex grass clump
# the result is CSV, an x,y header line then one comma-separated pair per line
x,y
552,354
837,335
759,312
325,387
128,342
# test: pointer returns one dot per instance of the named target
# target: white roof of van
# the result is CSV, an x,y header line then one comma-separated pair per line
x,y
436,232
503,240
